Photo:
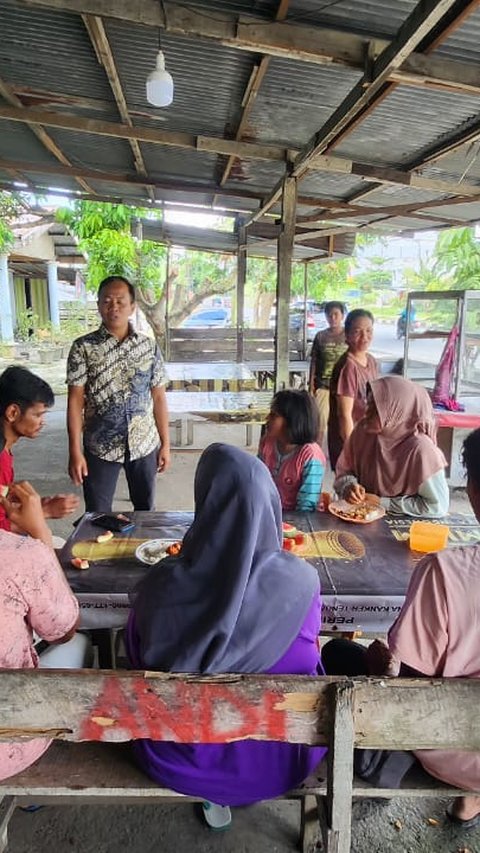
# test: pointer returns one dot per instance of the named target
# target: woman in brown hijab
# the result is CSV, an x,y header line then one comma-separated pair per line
x,y
392,452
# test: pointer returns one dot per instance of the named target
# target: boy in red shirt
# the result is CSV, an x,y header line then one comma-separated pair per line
x,y
24,400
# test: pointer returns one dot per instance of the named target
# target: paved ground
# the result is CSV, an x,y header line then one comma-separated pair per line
x,y
264,828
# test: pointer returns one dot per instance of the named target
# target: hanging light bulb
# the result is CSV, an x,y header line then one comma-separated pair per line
x,y
160,84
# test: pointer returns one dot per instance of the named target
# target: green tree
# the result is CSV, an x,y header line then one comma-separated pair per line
x,y
110,237
457,259
11,205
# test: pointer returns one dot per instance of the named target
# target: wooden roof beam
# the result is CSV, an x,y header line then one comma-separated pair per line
x,y
7,94
414,29
302,43
98,37
253,87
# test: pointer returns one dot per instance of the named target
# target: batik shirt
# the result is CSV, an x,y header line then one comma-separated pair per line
x,y
118,377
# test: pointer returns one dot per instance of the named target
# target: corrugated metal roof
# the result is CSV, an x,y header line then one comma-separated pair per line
x,y
49,50
296,98
405,122
209,79
369,17
464,43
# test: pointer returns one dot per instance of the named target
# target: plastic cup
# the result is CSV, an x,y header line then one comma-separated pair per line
x,y
427,537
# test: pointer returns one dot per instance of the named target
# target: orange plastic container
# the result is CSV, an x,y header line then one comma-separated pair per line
x,y
427,537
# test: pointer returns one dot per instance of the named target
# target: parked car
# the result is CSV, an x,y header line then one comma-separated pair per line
x,y
315,318
207,318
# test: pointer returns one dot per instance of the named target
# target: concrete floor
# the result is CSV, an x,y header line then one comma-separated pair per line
x,y
399,826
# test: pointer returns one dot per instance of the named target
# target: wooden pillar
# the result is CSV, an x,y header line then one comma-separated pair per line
x,y
241,276
284,272
167,306
305,297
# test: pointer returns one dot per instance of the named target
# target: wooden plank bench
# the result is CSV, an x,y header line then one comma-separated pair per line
x,y
222,407
96,712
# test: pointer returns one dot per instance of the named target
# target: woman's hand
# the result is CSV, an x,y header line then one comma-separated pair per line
x,y
355,493
23,507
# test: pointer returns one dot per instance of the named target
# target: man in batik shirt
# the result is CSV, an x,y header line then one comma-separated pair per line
x,y
116,398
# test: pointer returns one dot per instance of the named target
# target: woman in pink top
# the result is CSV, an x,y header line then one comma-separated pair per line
x,y
348,385
34,596
435,635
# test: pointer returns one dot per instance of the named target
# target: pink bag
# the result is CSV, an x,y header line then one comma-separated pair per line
x,y
444,375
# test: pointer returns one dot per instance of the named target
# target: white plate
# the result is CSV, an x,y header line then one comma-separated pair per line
x,y
153,550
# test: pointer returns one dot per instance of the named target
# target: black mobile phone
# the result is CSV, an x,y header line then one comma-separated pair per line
x,y
116,523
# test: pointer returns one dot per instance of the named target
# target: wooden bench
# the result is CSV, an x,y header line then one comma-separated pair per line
x,y
96,712
221,345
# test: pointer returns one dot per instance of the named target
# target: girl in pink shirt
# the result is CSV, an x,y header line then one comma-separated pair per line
x,y
34,596
290,451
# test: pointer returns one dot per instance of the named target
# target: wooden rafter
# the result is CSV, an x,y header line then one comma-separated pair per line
x,y
40,132
446,26
308,44
98,37
419,23
258,73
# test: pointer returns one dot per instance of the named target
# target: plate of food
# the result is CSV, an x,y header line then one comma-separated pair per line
x,y
361,513
154,550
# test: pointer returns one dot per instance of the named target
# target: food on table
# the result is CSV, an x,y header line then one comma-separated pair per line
x,y
4,491
288,530
174,549
364,512
330,544
78,563
105,537
299,538
115,549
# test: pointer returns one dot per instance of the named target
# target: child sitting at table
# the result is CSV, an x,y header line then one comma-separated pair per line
x,y
24,401
34,596
231,601
290,451
392,452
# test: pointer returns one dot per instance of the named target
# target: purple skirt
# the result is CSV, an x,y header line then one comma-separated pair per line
x,y
236,774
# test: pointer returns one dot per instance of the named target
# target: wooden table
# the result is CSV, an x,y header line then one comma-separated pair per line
x,y
221,407
208,376
361,591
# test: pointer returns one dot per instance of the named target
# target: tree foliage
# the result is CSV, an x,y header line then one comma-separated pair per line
x,y
107,235
11,204
457,258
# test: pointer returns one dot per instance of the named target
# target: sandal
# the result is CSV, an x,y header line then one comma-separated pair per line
x,y
469,823
217,817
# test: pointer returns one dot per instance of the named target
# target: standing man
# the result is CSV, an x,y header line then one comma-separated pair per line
x,y
116,397
327,348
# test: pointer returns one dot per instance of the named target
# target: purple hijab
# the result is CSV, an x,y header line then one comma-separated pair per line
x,y
233,601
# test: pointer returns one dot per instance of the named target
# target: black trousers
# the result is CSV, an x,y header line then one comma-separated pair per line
x,y
99,487
380,767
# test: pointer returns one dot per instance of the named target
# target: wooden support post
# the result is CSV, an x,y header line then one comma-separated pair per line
x,y
7,807
241,276
305,297
309,826
340,771
167,308
284,272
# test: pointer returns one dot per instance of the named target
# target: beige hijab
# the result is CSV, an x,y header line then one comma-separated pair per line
x,y
397,460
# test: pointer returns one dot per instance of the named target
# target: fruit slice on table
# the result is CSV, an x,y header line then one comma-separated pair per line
x,y
105,537
114,549
288,544
289,530
78,563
